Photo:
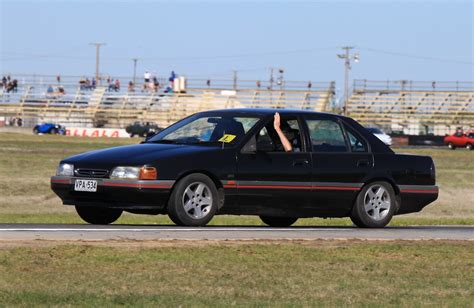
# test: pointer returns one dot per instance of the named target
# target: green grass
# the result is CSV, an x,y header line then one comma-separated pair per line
x,y
28,161
306,273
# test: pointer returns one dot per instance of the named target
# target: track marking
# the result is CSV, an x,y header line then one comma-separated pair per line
x,y
171,229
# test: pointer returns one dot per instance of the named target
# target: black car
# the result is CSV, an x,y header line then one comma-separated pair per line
x,y
232,162
142,129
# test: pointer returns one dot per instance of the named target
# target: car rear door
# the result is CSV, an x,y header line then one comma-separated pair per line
x,y
341,161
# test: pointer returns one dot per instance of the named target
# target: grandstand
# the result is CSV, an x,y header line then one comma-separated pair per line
x,y
413,107
99,107
404,107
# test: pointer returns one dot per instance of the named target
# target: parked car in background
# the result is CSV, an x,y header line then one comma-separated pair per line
x,y
49,128
143,129
460,139
381,135
234,162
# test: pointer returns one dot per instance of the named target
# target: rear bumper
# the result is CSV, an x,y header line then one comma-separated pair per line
x,y
122,194
415,197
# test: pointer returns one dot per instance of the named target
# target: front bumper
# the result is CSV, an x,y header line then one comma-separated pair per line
x,y
121,194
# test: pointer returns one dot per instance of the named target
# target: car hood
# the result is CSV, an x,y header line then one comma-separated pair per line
x,y
134,155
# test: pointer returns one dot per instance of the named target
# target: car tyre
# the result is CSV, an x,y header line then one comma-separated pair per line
x,y
451,146
194,201
98,216
53,131
374,206
279,222
469,146
132,135
36,130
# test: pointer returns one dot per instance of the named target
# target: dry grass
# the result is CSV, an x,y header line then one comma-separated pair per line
x,y
28,161
304,273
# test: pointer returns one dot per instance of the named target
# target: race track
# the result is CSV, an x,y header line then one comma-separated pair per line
x,y
167,232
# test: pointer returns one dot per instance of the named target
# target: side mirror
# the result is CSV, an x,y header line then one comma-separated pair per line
x,y
250,147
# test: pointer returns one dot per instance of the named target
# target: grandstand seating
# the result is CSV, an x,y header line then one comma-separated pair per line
x,y
413,107
101,108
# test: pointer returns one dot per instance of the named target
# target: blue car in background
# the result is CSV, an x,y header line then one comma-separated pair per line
x,y
49,128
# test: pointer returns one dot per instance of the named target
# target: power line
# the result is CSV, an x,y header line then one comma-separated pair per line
x,y
399,54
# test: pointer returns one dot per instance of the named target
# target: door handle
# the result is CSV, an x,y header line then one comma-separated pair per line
x,y
300,162
362,163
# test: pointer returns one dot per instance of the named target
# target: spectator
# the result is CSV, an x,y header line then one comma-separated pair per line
x,y
93,83
82,83
131,86
258,84
61,90
208,83
156,83
58,78
309,84
147,77
4,82
117,85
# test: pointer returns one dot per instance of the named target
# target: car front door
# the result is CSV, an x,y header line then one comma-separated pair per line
x,y
341,161
271,181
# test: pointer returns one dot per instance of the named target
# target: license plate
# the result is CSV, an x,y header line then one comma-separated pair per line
x,y
85,185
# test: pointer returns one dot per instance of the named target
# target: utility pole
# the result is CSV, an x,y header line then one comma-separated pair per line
x,y
134,70
271,78
97,56
235,79
347,67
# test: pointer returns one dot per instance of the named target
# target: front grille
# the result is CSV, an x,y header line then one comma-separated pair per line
x,y
91,173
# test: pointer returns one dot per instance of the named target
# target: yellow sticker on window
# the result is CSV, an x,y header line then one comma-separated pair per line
x,y
227,138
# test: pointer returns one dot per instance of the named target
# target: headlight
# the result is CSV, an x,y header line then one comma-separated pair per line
x,y
65,170
125,173
134,173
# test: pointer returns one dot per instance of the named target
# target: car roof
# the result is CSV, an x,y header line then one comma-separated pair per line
x,y
267,111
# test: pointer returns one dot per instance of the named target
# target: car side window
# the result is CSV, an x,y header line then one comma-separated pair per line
x,y
326,136
357,144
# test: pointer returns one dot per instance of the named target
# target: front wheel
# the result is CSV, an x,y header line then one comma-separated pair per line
x,y
374,206
278,221
451,146
469,146
98,216
194,201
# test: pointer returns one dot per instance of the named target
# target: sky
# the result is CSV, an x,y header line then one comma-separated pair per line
x,y
414,40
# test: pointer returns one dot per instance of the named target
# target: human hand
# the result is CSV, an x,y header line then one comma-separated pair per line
x,y
276,121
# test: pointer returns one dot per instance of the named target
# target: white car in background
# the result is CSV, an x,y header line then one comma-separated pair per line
x,y
381,135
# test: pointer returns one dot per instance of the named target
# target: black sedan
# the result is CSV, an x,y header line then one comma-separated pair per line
x,y
233,162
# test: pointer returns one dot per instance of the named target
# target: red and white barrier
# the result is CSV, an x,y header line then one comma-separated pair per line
x,y
97,132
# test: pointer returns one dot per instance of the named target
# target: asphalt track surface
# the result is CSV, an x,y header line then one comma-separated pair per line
x,y
14,232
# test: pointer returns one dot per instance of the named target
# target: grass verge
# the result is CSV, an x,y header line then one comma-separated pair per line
x,y
279,273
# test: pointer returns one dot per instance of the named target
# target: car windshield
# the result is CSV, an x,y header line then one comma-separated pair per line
x,y
205,129
374,130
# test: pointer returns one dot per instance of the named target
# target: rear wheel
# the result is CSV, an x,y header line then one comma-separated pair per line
x,y
469,146
194,201
98,216
278,221
451,146
374,206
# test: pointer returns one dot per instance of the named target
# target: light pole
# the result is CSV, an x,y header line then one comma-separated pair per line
x,y
347,67
134,69
97,56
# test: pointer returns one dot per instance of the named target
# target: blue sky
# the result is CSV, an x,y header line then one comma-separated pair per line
x,y
416,40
